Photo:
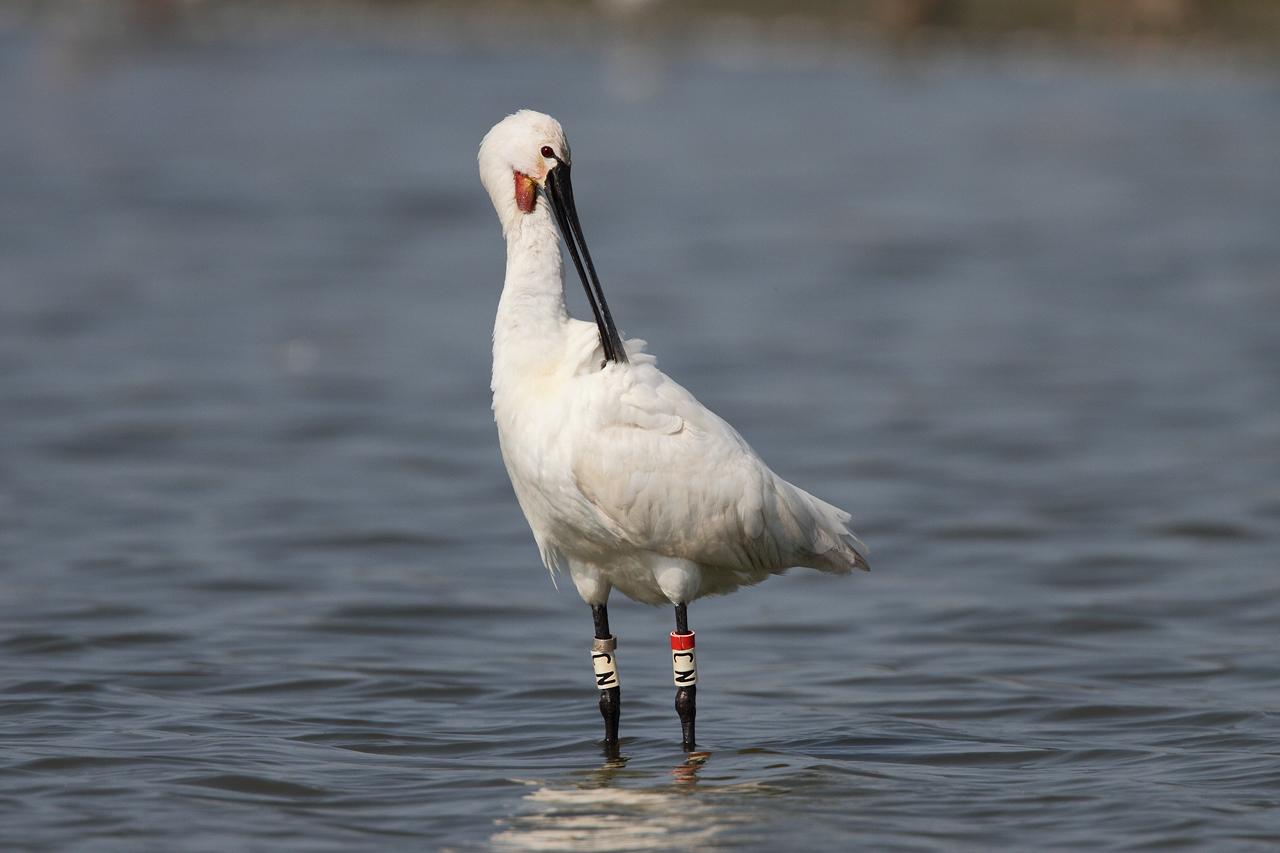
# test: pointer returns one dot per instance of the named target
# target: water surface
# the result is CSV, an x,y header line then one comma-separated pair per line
x,y
265,583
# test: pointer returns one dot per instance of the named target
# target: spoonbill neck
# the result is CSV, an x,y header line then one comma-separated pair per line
x,y
532,303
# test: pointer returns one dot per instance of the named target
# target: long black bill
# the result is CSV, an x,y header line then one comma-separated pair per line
x,y
560,194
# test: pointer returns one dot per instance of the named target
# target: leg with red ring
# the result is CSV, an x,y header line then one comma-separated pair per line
x,y
684,671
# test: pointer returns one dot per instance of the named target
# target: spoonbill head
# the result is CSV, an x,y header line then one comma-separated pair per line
x,y
524,157
626,480
513,164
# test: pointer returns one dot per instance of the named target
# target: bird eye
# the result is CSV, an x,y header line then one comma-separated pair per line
x,y
548,151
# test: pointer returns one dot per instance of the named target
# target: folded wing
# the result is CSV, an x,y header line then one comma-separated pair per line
x,y
671,477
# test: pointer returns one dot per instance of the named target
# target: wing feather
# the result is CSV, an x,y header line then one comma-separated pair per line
x,y
673,478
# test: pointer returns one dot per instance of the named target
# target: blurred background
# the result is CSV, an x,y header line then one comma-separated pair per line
x,y
1001,278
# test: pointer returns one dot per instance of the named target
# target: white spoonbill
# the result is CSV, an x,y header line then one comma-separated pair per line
x,y
626,480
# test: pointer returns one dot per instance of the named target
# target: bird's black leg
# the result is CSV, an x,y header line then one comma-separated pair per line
x,y
684,669
604,661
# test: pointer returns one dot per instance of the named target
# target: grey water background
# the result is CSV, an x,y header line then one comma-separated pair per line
x,y
264,583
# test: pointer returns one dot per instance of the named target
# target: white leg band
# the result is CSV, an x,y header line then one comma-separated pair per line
x,y
684,660
604,660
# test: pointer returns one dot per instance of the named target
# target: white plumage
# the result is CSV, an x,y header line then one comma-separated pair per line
x,y
626,480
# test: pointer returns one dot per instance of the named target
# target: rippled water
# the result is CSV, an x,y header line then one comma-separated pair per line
x,y
265,585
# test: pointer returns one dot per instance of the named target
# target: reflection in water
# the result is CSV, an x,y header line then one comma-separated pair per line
x,y
687,770
599,812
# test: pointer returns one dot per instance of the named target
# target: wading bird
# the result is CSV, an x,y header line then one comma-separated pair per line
x,y
626,480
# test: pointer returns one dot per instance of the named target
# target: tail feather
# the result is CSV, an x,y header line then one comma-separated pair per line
x,y
833,544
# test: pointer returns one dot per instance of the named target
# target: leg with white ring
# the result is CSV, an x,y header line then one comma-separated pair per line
x,y
684,671
604,661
